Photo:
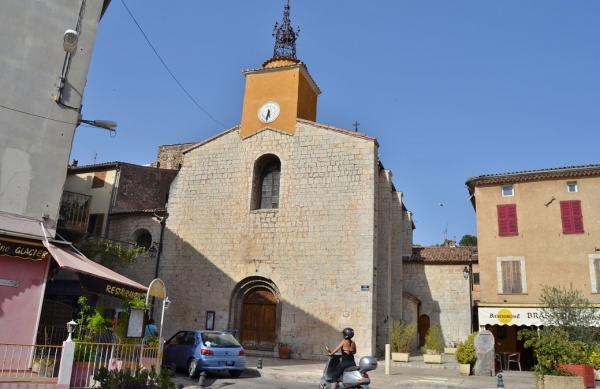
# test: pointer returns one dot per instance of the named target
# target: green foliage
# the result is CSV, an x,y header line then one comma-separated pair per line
x,y
434,344
569,334
134,379
465,351
90,322
109,252
553,346
468,240
595,356
570,310
402,335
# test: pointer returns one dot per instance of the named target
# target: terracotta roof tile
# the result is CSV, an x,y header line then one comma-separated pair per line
x,y
443,254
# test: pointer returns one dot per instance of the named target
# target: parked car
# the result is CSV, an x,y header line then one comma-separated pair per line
x,y
199,351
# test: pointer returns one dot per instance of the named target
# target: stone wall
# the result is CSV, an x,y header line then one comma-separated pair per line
x,y
318,249
444,295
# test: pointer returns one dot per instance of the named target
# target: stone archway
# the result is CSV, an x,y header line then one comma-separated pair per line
x,y
255,313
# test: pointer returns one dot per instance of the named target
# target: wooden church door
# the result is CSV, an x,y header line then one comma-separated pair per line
x,y
259,316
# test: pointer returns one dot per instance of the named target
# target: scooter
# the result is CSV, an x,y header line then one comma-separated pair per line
x,y
352,377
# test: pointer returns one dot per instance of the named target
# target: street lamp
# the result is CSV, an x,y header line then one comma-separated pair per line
x,y
105,124
70,329
466,274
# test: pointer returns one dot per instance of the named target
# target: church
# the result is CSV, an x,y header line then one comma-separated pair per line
x,y
283,229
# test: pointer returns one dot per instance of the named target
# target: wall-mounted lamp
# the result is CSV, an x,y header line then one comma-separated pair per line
x,y
466,272
167,303
70,329
153,250
106,124
70,40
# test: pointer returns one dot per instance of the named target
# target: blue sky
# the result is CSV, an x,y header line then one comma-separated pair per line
x,y
450,89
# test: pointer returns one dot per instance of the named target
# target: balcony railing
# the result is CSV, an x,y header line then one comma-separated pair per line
x,y
74,211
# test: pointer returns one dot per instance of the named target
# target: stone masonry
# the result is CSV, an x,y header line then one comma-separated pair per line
x,y
320,252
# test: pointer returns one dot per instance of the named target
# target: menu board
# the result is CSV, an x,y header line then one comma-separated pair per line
x,y
136,323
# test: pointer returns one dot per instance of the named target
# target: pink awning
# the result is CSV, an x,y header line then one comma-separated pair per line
x,y
94,277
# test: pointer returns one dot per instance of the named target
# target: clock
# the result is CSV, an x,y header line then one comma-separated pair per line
x,y
268,112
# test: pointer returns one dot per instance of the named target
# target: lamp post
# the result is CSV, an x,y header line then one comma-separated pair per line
x,y
70,329
163,221
467,274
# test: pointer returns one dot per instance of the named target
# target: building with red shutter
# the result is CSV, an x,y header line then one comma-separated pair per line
x,y
534,228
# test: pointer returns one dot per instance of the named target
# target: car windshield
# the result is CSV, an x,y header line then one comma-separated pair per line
x,y
217,340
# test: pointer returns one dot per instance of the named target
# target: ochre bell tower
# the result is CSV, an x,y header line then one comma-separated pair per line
x,y
282,90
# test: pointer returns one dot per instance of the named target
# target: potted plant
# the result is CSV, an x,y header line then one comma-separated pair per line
x,y
434,345
284,351
557,357
401,338
466,354
450,348
595,360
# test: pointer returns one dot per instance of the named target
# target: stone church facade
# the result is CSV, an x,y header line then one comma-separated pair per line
x,y
284,229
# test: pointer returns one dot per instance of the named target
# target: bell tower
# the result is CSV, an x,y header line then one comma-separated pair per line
x,y
282,90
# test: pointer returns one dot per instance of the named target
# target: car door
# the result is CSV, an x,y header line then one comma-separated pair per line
x,y
175,350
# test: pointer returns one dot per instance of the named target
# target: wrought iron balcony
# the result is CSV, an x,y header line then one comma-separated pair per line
x,y
74,211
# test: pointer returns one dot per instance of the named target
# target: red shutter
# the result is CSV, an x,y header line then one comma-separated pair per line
x,y
571,217
507,220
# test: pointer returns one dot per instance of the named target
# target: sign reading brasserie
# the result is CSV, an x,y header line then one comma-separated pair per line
x,y
20,250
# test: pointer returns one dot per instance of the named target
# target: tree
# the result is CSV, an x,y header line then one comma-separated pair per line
x,y
468,240
570,310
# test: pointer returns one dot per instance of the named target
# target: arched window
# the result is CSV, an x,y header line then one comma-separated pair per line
x,y
265,191
269,184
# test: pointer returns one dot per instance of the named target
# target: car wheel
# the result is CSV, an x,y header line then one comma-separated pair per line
x,y
193,369
235,373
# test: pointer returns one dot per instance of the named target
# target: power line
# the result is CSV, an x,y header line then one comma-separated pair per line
x,y
166,67
37,116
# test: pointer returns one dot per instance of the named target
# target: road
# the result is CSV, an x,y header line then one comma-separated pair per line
x,y
246,381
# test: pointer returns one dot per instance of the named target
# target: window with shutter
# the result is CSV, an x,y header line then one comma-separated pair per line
x,y
571,217
511,277
507,220
597,273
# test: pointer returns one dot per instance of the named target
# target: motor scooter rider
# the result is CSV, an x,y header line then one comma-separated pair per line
x,y
348,348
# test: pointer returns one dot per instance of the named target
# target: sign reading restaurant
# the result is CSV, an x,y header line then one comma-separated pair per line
x,y
18,249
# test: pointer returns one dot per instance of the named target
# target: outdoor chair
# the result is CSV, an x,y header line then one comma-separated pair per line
x,y
514,358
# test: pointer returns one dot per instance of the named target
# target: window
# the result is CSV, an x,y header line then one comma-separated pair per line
x,y
511,275
571,216
143,239
95,224
572,187
265,183
594,272
507,220
98,181
475,278
269,183
508,190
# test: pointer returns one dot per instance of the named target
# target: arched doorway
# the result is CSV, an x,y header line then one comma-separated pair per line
x,y
255,312
424,323
259,320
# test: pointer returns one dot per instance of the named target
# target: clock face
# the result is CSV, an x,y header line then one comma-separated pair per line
x,y
268,112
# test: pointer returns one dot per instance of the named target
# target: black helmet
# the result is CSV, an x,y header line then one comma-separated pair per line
x,y
348,333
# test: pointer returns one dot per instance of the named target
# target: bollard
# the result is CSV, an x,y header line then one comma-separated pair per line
x,y
500,381
259,366
201,383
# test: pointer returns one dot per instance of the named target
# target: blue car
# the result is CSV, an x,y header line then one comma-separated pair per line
x,y
199,351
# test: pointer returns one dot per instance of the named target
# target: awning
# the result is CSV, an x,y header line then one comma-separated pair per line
x,y
94,277
509,316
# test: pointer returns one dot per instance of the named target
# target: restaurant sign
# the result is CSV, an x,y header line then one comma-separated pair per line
x,y
20,250
509,316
